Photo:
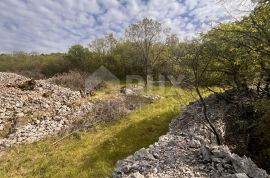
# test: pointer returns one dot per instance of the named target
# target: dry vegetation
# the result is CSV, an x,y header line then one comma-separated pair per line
x,y
72,79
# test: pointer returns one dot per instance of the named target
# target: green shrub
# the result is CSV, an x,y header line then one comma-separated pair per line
x,y
261,134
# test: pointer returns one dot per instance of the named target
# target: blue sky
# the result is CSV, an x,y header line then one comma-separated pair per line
x,y
54,25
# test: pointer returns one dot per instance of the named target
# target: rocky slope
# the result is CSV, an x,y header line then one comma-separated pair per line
x,y
188,150
30,115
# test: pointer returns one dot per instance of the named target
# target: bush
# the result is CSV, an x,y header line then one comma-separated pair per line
x,y
73,79
260,136
34,65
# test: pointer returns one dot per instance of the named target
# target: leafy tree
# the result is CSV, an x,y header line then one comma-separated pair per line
x,y
241,50
79,57
104,45
229,60
146,37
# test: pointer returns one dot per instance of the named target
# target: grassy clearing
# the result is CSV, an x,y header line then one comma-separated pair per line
x,y
94,153
109,91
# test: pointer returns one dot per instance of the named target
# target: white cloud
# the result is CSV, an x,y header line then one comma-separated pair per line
x,y
55,25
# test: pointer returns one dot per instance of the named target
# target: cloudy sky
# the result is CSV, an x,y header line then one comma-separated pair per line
x,y
54,25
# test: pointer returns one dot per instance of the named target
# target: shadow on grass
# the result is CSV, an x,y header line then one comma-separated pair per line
x,y
124,143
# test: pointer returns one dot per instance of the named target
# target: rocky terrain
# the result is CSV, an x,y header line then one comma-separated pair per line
x,y
188,150
30,115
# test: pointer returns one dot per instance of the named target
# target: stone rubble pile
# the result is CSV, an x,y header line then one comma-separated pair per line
x,y
188,150
133,91
27,116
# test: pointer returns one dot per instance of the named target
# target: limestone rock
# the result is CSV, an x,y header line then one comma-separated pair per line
x,y
188,150
32,116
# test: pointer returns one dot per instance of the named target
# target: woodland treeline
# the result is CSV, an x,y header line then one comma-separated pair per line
x,y
231,54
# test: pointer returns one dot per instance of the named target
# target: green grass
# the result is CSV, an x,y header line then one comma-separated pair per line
x,y
94,153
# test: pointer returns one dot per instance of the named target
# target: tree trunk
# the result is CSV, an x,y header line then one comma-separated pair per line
x,y
266,88
206,117
146,73
236,81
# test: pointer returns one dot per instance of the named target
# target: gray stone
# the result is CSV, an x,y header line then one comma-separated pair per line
x,y
194,144
247,166
217,160
20,114
221,153
136,175
205,151
237,175
143,154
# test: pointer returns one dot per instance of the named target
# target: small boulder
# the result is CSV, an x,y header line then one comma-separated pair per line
x,y
136,175
28,85
238,175
194,144
205,151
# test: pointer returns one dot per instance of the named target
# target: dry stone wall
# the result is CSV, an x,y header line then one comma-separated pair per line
x,y
188,150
